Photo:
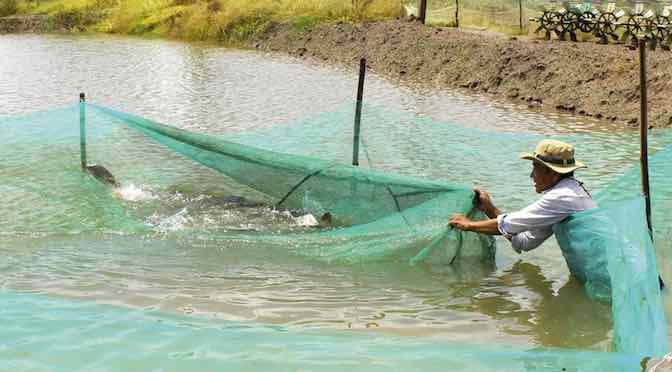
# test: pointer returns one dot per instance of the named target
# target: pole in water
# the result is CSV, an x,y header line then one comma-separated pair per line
x,y
422,11
643,135
358,111
82,129
643,140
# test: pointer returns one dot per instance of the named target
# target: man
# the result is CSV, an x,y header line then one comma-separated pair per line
x,y
553,174
562,195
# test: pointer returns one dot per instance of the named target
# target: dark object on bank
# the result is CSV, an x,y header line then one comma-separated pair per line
x,y
620,24
102,174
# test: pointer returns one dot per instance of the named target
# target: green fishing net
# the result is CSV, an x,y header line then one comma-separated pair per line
x,y
374,215
612,253
378,212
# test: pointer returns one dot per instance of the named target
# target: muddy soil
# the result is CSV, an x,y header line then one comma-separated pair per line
x,y
584,78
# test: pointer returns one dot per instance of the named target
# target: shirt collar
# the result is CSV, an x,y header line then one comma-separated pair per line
x,y
561,182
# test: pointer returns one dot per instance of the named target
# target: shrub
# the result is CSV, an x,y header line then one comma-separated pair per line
x,y
304,23
8,7
240,27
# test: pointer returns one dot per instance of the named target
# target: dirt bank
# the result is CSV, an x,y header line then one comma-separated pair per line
x,y
585,78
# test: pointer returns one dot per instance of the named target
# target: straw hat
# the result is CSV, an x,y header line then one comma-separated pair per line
x,y
557,155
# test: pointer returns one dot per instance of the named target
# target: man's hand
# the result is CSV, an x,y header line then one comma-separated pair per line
x,y
460,222
485,204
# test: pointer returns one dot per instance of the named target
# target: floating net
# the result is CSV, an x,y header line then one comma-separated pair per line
x,y
150,338
375,215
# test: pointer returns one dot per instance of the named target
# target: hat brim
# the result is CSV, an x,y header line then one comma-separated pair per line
x,y
555,167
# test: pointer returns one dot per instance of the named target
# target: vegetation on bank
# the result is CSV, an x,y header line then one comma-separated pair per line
x,y
8,7
234,21
229,21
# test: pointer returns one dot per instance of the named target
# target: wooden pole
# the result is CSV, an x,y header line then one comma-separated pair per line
x,y
82,129
422,11
520,13
643,135
358,112
643,140
457,13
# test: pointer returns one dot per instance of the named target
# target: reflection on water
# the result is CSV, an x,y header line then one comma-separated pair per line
x,y
218,91
528,304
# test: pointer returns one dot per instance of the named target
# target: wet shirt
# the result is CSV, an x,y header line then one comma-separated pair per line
x,y
531,226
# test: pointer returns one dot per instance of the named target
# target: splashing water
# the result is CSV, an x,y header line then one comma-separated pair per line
x,y
133,193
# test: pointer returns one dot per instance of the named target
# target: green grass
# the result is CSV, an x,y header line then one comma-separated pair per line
x,y
8,7
230,21
304,22
234,21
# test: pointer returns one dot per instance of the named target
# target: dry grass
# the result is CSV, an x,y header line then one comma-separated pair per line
x,y
222,20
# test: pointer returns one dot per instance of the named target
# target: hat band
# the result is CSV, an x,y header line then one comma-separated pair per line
x,y
547,159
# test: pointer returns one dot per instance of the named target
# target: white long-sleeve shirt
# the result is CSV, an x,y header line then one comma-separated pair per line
x,y
531,226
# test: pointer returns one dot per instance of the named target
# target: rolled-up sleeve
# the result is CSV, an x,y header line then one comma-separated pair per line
x,y
529,240
540,215
531,226
525,240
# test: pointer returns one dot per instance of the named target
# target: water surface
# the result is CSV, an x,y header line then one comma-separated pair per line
x,y
65,248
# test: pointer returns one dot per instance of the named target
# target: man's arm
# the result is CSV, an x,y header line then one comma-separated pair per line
x,y
460,222
539,215
524,241
526,229
485,205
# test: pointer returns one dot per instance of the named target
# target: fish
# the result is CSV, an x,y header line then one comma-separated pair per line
x,y
102,174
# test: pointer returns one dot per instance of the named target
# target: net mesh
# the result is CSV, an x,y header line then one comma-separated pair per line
x,y
376,215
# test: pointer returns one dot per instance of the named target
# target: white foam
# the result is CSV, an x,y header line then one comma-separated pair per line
x,y
133,193
175,222
307,220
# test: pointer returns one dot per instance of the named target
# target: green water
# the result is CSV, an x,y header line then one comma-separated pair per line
x,y
96,278
117,339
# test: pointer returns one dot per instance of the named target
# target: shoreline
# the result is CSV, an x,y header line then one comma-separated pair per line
x,y
584,78
598,81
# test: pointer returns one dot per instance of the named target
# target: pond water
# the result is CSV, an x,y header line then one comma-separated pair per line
x,y
59,257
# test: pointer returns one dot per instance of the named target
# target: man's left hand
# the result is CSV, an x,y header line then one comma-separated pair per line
x,y
460,222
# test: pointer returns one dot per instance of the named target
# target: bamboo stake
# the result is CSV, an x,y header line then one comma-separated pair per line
x,y
422,11
358,112
643,135
82,129
520,13
457,13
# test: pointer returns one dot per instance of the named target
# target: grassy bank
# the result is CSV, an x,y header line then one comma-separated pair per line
x,y
228,21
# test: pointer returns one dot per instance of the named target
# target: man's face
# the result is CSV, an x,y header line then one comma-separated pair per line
x,y
543,177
